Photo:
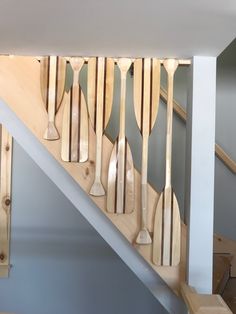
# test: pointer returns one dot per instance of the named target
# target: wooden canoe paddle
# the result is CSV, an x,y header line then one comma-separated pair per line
x,y
167,225
120,187
100,97
52,81
74,145
146,104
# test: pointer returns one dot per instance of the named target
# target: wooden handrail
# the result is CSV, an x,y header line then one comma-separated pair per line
x,y
203,303
220,153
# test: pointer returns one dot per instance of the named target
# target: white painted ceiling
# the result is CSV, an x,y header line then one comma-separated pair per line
x,y
163,28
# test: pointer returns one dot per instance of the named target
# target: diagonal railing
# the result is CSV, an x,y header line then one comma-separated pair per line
x,y
220,153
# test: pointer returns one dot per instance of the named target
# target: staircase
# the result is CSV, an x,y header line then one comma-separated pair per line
x,y
24,115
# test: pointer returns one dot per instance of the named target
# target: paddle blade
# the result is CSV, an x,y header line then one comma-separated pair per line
x,y
65,133
167,230
97,189
74,146
100,89
111,183
146,92
143,237
52,75
51,133
120,190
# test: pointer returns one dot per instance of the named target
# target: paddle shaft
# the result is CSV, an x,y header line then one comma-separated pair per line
x,y
52,89
124,65
99,119
170,66
167,226
169,128
144,186
145,129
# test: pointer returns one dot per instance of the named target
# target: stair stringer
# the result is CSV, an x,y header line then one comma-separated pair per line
x,y
25,118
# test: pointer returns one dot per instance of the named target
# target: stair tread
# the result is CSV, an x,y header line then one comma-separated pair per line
x,y
221,271
229,294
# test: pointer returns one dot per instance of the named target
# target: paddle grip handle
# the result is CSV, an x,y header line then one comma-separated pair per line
x,y
144,186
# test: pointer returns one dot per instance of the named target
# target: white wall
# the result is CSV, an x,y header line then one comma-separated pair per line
x,y
225,183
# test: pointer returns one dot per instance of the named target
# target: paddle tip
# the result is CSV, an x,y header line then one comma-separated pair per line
x,y
97,189
51,133
143,237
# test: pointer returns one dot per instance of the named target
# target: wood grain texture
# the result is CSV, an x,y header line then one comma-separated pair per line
x,y
5,195
203,303
100,98
74,146
21,74
166,239
146,93
52,79
225,158
146,104
120,191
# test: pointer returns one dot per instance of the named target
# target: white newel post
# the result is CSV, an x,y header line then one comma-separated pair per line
x,y
200,166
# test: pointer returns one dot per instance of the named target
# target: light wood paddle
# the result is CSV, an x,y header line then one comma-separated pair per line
x,y
100,97
167,225
120,187
52,81
146,104
74,145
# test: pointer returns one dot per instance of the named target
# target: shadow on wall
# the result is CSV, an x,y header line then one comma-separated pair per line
x,y
62,243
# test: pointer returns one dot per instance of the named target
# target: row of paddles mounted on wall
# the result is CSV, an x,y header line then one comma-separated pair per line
x,y
75,137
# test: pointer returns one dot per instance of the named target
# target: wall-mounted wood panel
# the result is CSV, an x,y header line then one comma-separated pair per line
x,y
5,207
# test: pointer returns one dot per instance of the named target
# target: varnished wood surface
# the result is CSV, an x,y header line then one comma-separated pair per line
x,y
146,104
5,196
203,303
167,228
100,98
74,147
120,189
52,79
22,75
146,92
166,239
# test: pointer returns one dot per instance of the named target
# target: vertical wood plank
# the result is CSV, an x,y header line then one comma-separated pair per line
x,y
5,207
